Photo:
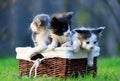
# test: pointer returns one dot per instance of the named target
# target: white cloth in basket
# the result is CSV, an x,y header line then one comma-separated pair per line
x,y
62,52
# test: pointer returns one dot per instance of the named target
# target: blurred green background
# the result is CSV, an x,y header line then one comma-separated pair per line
x,y
16,16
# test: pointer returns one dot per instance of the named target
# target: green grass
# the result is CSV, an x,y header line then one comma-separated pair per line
x,y
108,70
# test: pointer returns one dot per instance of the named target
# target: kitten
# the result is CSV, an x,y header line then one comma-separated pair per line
x,y
40,32
60,30
87,39
40,37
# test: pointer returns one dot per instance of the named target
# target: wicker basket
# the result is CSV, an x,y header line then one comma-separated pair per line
x,y
59,67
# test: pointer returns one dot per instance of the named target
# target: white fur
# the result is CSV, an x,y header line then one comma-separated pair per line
x,y
84,28
76,42
91,55
76,45
42,36
92,39
33,27
68,32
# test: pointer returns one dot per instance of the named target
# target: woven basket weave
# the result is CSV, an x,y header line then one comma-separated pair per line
x,y
59,67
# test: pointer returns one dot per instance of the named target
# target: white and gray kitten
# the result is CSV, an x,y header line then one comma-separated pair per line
x,y
60,30
40,32
87,39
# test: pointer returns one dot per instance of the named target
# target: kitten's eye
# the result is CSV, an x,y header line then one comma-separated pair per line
x,y
95,42
87,42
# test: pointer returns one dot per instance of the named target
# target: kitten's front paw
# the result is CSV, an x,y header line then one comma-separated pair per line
x,y
66,45
75,49
90,63
50,47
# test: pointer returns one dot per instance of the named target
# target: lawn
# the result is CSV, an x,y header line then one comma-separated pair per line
x,y
108,70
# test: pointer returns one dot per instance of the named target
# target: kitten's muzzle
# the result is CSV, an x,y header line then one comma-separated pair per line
x,y
91,48
68,34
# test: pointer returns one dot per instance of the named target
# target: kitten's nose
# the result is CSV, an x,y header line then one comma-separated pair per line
x,y
68,34
91,48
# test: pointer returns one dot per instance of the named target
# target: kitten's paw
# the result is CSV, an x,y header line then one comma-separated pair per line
x,y
51,47
90,63
63,45
66,45
75,49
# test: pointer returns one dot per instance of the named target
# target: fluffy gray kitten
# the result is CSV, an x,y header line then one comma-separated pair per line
x,y
40,32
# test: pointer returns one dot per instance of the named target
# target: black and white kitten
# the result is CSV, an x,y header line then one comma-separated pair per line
x,y
87,39
60,30
40,32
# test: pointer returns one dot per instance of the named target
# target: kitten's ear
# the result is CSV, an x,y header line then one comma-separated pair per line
x,y
54,19
99,30
76,30
69,15
54,22
37,22
81,31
